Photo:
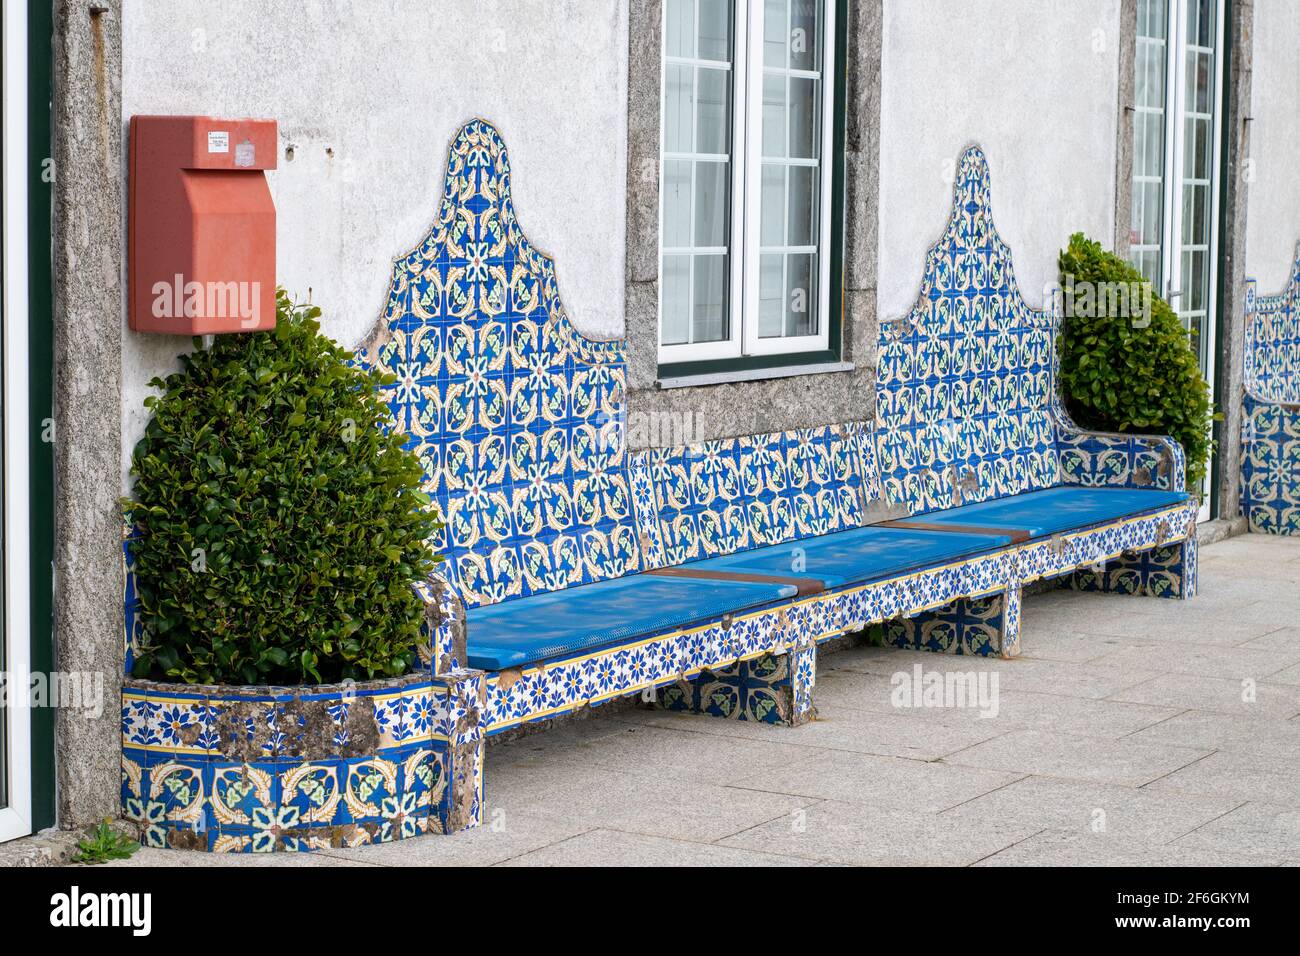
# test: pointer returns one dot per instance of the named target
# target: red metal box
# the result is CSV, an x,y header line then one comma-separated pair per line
x,y
201,227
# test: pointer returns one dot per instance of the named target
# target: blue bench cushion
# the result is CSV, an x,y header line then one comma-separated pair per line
x,y
1054,510
605,614
854,556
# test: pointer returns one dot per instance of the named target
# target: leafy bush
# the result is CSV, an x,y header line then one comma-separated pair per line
x,y
279,525
1121,373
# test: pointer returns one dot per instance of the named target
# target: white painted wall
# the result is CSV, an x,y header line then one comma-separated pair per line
x,y
384,85
1034,84
1273,199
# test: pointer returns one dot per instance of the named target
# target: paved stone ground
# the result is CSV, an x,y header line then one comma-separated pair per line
x,y
1126,733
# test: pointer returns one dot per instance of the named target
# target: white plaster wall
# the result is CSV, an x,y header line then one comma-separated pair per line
x,y
384,85
1273,197
1034,84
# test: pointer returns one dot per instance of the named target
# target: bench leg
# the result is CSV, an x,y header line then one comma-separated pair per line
x,y
456,786
1169,571
985,626
773,689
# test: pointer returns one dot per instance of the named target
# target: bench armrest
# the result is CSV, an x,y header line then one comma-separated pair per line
x,y
444,625
1270,480
1118,459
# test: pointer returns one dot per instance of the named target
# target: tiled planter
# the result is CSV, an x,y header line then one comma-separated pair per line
x,y
262,769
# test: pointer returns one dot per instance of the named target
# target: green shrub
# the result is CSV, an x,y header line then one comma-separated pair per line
x,y
1119,373
280,527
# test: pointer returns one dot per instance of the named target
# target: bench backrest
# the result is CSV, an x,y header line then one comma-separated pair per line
x,y
965,393
518,419
1273,341
513,412
719,497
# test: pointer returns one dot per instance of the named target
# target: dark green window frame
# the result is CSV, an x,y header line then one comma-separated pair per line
x,y
40,326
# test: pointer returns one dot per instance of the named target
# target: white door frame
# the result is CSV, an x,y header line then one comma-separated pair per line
x,y
1175,151
16,816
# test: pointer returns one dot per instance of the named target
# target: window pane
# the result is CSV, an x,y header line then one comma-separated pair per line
x,y
675,302
803,206
792,132
1155,142
713,129
709,305
775,33
1204,149
676,204
1205,82
1203,22
1152,220
800,295
1196,293
715,30
772,216
805,30
679,28
696,186
712,204
679,96
1141,77
803,118
771,290
774,115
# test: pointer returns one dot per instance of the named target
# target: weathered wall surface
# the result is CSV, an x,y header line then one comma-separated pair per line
x,y
1039,93
88,254
1273,222
368,95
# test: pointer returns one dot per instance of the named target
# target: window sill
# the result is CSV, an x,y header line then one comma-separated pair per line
x,y
752,374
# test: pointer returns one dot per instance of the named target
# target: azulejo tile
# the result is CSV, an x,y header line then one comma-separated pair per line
x,y
1270,474
515,415
300,769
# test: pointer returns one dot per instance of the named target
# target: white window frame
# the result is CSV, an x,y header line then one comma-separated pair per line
x,y
15,748
745,165
1174,288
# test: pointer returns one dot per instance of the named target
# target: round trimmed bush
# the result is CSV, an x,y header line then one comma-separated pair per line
x,y
1125,371
280,524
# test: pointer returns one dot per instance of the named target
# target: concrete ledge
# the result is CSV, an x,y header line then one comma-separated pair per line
x,y
1219,529
47,848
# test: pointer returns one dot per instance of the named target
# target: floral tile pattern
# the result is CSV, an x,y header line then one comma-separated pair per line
x,y
252,770
513,413
965,399
1273,341
773,689
1270,479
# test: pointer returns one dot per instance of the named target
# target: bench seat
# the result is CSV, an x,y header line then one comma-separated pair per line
x,y
855,556
559,624
1038,514
605,614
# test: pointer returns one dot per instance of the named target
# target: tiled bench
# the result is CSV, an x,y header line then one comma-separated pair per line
x,y
1270,486
576,572
706,575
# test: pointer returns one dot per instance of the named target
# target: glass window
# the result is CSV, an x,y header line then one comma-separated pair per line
x,y
744,243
